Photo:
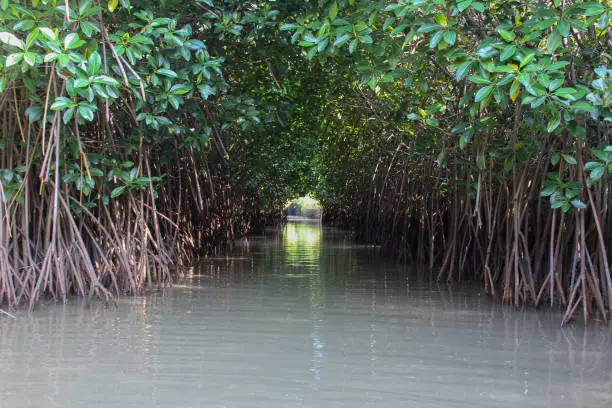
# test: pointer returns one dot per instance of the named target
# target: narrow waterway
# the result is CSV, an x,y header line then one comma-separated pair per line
x,y
302,318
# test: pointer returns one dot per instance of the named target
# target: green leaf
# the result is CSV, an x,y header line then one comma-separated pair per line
x,y
553,42
583,106
399,29
393,7
565,92
524,79
81,83
527,59
464,4
578,204
597,173
72,41
507,35
558,65
514,90
441,160
12,40
333,11
206,91
106,80
340,22
440,18
450,37
556,203
311,53
431,121
86,113
506,69
95,172
538,101
94,64
49,33
548,191
563,27
569,159
435,39
322,45
68,113
487,52
117,191
24,25
465,138
353,46
61,102
288,27
575,185
13,59
174,101
479,80
388,22
508,52
601,155
603,21
554,122
555,84
483,93
34,113
51,57
427,27
591,165
565,206
463,69
480,161
112,5
342,40
180,89
167,72
478,6
592,8
87,28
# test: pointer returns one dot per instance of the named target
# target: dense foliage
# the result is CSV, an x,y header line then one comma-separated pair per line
x,y
127,139
472,137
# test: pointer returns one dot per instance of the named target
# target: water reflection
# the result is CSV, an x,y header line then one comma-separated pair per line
x,y
301,245
302,319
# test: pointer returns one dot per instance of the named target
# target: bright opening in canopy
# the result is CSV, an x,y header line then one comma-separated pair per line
x,y
304,207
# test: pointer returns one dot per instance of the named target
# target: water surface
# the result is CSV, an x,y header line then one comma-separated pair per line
x,y
302,318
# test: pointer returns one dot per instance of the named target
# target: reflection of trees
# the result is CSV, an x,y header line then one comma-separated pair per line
x,y
349,308
301,243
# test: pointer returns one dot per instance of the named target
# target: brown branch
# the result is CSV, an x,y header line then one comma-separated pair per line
x,y
203,7
142,90
272,72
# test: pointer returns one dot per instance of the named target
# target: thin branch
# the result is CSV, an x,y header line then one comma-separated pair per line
x,y
7,313
272,73
203,7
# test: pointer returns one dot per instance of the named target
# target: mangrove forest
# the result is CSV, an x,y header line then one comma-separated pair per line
x,y
470,138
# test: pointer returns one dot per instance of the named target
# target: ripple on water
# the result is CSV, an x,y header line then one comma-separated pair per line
x,y
302,318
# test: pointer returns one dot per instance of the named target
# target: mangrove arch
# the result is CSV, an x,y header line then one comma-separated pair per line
x,y
470,137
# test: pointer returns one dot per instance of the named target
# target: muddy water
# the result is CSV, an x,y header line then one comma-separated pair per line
x,y
302,319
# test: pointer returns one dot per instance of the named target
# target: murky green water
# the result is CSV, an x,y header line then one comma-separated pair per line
x,y
302,319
